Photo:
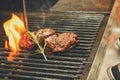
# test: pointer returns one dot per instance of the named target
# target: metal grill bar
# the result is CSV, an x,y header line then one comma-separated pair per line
x,y
68,65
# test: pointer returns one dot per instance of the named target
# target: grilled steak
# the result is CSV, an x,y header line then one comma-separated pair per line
x,y
60,42
26,43
54,42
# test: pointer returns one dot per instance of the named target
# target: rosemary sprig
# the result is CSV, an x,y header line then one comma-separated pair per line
x,y
37,41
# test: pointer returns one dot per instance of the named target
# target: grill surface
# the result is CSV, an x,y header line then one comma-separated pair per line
x,y
69,65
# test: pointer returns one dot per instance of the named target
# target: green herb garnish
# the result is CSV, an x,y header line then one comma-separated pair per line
x,y
39,43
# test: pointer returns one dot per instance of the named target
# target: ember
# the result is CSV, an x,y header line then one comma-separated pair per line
x,y
14,28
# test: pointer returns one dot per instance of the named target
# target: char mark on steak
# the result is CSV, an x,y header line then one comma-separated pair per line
x,y
44,33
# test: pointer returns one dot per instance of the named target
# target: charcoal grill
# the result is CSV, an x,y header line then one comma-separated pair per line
x,y
74,64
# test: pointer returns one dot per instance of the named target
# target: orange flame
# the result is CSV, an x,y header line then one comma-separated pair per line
x,y
14,28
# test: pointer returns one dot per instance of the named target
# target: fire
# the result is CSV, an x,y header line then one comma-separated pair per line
x,y
14,28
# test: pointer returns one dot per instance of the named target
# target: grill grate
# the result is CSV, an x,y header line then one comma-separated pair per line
x,y
68,65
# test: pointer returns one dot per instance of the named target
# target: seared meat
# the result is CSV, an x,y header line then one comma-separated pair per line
x,y
26,43
44,33
54,42
60,42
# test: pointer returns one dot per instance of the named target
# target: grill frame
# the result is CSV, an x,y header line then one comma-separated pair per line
x,y
95,49
98,38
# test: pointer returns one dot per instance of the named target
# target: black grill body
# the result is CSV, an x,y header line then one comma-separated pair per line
x,y
74,64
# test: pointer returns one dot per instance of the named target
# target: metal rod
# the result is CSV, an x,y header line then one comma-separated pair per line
x,y
25,15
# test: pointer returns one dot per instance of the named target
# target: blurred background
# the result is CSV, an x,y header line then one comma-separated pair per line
x,y
57,5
